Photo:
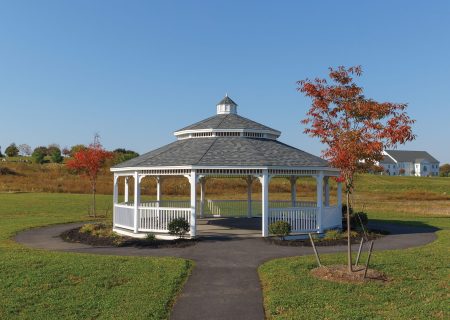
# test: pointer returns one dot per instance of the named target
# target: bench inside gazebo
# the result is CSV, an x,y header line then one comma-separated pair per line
x,y
225,146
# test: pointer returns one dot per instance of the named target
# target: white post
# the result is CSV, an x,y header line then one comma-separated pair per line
x,y
327,192
293,191
158,190
319,179
193,181
265,179
339,198
249,196
137,200
202,196
126,197
115,196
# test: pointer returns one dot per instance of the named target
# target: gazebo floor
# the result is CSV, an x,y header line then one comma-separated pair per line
x,y
229,227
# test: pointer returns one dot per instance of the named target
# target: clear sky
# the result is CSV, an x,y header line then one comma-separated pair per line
x,y
135,71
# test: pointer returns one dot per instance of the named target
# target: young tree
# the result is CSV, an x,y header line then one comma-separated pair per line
x,y
355,129
12,150
39,154
56,156
89,161
65,151
444,170
25,150
74,149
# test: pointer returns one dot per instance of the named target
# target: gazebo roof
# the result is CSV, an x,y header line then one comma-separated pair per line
x,y
226,151
226,140
227,121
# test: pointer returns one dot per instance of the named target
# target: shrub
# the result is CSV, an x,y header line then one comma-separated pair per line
x,y
355,218
87,228
280,229
333,234
178,227
353,234
150,237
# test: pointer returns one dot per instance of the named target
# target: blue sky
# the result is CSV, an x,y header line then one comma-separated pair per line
x,y
135,71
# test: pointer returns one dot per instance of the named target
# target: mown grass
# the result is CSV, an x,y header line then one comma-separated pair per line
x,y
37,284
418,289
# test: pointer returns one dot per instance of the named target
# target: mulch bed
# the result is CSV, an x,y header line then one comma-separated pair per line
x,y
339,273
75,236
373,234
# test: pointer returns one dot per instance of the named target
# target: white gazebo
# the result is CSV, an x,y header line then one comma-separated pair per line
x,y
225,145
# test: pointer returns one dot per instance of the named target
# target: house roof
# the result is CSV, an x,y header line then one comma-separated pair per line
x,y
226,151
387,159
410,156
227,121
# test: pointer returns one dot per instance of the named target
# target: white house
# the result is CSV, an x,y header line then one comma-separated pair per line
x,y
409,163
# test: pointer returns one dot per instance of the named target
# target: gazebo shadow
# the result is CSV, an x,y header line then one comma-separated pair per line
x,y
402,227
224,228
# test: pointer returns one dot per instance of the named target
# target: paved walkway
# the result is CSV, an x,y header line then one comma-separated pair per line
x,y
224,283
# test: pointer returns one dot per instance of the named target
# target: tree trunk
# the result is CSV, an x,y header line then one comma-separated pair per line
x,y
349,242
93,200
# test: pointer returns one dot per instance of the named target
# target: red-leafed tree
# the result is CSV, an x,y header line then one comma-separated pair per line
x,y
354,128
88,162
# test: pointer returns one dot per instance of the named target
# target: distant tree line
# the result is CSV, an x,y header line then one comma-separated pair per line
x,y
53,153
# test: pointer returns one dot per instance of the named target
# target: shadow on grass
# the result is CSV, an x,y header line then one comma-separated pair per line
x,y
401,226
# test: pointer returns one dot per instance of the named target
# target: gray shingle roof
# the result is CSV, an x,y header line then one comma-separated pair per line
x,y
227,121
226,151
387,159
410,156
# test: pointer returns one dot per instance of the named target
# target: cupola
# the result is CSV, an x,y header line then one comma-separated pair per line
x,y
226,106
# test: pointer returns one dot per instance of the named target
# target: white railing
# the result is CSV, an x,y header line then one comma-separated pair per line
x,y
300,219
239,208
167,204
124,216
158,219
331,218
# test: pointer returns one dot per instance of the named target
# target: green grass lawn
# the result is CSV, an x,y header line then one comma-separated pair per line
x,y
36,284
419,286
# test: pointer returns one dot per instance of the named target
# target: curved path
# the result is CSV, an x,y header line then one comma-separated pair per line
x,y
224,283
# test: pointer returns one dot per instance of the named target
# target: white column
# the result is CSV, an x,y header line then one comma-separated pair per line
x,y
115,196
293,191
202,196
126,197
158,189
327,192
193,182
265,179
249,196
319,179
137,200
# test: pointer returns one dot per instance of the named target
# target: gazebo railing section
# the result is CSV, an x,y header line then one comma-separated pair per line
x,y
300,219
155,216
158,219
124,216
225,208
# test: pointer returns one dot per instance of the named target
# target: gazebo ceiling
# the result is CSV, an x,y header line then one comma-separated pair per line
x,y
226,140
